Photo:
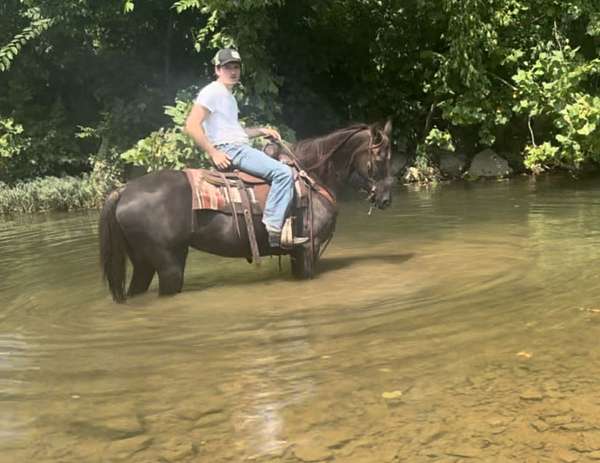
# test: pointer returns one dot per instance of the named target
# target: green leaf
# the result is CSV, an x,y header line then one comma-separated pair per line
x,y
128,6
587,129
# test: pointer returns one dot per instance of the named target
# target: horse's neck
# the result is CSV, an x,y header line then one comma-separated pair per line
x,y
324,174
336,167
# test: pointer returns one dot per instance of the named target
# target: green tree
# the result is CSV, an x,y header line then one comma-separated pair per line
x,y
87,81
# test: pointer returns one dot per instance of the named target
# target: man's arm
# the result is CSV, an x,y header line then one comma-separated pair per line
x,y
262,132
193,127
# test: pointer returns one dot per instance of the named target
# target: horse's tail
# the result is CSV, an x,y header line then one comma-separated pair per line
x,y
112,248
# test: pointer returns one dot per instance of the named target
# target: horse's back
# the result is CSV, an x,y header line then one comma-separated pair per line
x,y
166,180
157,204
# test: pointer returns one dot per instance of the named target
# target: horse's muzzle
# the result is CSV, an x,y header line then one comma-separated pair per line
x,y
380,199
384,203
381,193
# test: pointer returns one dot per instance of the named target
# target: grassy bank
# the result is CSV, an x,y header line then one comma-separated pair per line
x,y
58,194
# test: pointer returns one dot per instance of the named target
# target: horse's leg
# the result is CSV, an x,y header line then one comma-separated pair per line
x,y
170,265
143,272
303,261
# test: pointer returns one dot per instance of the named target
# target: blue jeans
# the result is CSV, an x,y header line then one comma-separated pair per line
x,y
280,176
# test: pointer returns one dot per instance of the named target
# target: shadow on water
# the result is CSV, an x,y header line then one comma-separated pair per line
x,y
336,263
241,275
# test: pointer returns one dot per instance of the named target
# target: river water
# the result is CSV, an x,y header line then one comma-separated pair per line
x,y
461,324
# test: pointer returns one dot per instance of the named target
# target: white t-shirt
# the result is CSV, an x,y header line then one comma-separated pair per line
x,y
222,124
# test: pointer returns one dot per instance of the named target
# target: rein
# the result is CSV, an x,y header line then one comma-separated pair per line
x,y
312,185
371,149
326,157
321,189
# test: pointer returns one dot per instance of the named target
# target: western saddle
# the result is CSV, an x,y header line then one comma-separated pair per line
x,y
241,194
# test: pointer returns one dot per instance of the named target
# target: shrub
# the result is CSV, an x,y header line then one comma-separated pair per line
x,y
57,194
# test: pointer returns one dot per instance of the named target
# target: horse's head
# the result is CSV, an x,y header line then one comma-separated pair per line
x,y
361,152
372,164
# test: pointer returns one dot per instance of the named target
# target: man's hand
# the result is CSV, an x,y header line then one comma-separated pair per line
x,y
270,133
220,160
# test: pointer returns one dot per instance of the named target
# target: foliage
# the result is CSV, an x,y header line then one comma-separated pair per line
x,y
84,82
424,169
487,44
168,148
95,68
247,26
550,90
11,140
162,149
38,25
440,139
536,155
51,194
46,146
104,178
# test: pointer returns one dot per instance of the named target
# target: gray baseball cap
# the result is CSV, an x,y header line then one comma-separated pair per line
x,y
227,55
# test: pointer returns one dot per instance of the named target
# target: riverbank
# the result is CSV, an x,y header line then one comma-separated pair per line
x,y
59,193
88,191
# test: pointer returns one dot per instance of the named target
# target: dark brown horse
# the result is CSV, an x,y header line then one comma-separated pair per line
x,y
149,219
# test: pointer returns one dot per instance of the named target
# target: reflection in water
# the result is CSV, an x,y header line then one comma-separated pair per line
x,y
460,324
263,394
13,363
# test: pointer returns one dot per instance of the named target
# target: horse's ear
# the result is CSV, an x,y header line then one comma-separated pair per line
x,y
387,129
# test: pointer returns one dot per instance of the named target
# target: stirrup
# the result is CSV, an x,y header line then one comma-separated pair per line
x,y
288,241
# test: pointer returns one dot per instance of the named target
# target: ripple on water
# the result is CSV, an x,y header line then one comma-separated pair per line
x,y
432,300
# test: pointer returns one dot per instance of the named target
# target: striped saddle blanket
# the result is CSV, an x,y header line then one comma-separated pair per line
x,y
227,191
237,194
220,191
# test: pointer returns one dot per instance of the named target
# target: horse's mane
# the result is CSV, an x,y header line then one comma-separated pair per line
x,y
317,146
315,155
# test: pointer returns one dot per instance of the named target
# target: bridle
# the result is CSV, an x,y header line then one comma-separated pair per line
x,y
372,160
323,158
324,191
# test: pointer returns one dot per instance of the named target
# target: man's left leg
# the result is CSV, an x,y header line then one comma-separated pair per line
x,y
280,176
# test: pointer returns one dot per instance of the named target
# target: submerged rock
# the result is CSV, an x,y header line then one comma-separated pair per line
x,y
177,449
112,428
192,410
430,433
465,451
566,456
531,394
312,453
539,426
124,449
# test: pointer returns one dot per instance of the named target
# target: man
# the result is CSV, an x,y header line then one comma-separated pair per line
x,y
214,125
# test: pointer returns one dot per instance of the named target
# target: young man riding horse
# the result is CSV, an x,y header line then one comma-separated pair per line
x,y
214,125
152,221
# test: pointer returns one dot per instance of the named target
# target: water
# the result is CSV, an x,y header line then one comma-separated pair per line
x,y
459,325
